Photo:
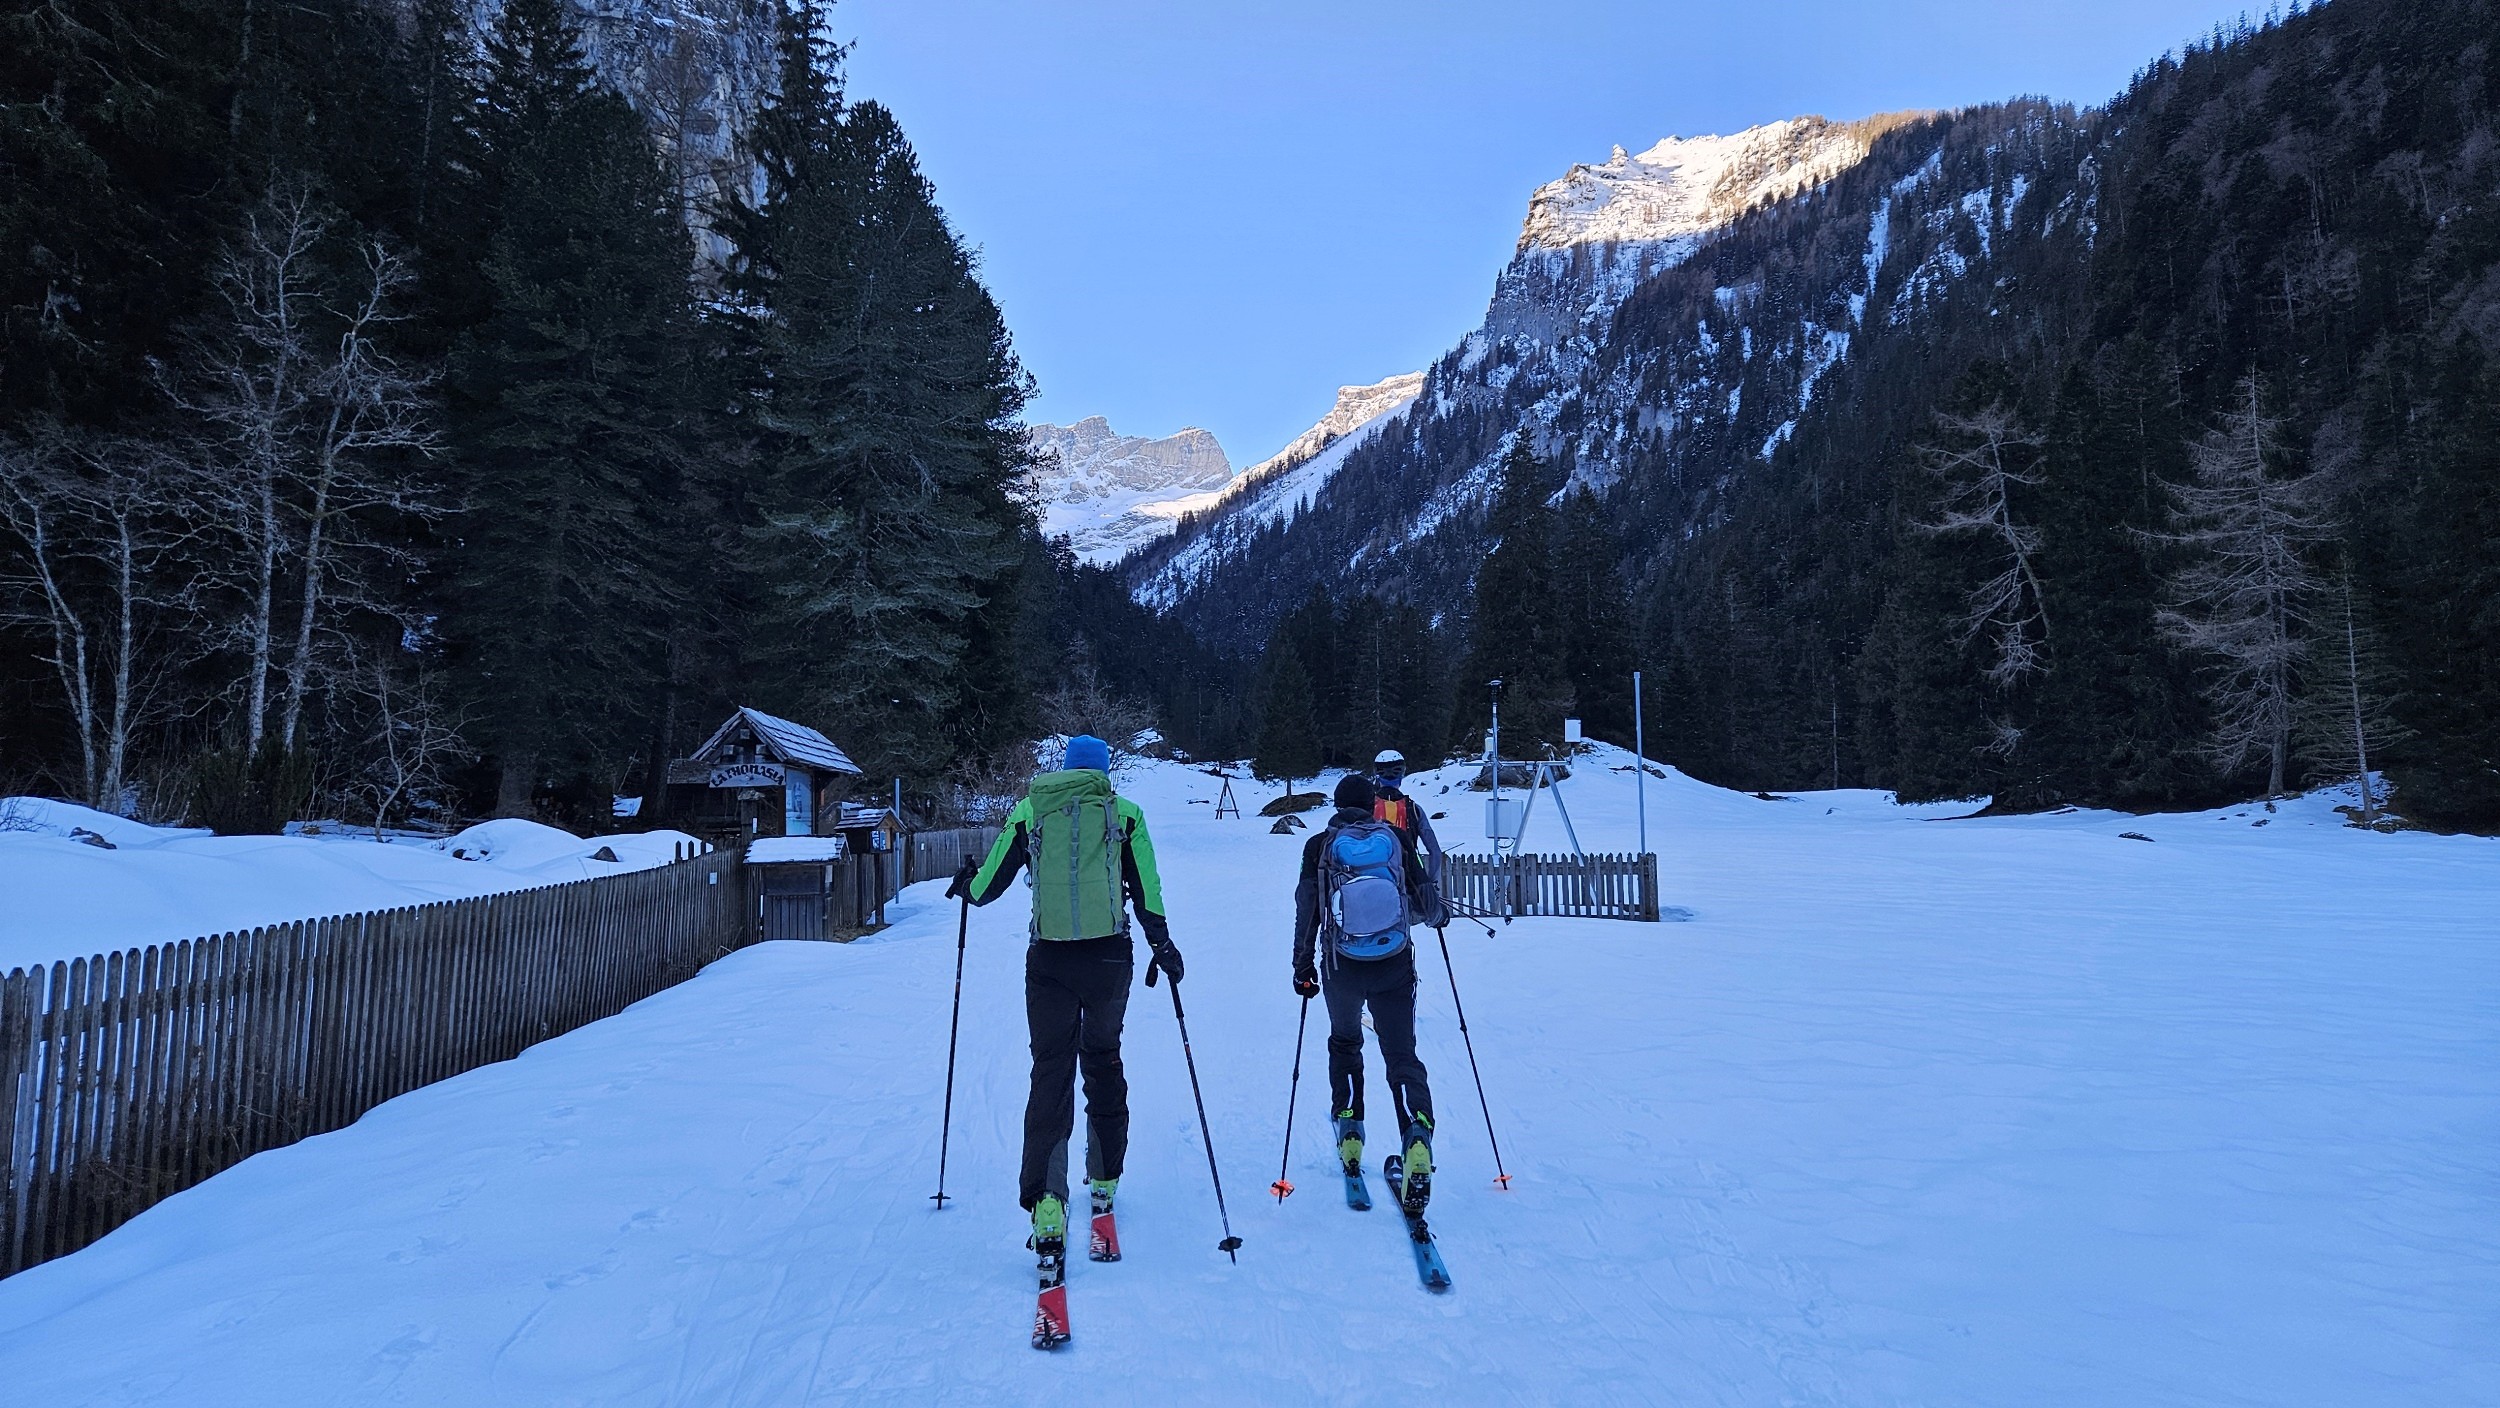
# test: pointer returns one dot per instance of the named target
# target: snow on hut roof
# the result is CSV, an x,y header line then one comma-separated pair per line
x,y
783,850
789,742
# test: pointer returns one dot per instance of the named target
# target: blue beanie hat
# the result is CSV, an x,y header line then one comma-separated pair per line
x,y
1087,751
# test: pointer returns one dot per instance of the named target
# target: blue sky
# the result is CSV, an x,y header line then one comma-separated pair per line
x,y
1215,213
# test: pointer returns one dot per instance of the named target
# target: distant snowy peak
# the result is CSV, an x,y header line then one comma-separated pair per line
x,y
1097,487
1095,462
1689,186
1356,407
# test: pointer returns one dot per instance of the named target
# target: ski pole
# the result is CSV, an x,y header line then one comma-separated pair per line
x,y
1283,1186
954,1024
1501,1174
1231,1243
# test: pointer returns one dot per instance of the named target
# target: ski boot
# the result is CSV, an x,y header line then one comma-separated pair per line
x,y
1411,1185
1105,1242
1350,1143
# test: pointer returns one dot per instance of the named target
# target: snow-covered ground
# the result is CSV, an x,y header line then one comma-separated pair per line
x,y
68,898
1913,1111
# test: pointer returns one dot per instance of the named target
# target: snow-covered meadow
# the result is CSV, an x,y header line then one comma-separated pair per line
x,y
71,898
1914,1110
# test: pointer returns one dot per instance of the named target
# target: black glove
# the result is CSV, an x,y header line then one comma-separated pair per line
x,y
1431,910
1166,958
961,886
1306,982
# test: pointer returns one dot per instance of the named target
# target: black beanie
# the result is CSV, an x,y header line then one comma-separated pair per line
x,y
1355,792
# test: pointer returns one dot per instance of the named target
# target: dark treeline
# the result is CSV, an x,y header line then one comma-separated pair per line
x,y
373,436
1341,680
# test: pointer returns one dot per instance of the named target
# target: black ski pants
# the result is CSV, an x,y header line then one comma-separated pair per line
x,y
1388,985
1075,994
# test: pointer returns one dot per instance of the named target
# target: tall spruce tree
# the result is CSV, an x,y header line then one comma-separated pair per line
x,y
1515,636
886,397
568,415
1288,738
1593,615
2114,719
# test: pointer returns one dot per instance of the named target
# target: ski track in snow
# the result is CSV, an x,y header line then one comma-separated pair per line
x,y
1914,1111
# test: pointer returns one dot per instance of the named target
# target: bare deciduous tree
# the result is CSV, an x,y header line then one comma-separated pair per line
x,y
2344,712
313,424
2242,593
1081,703
1984,458
415,736
103,527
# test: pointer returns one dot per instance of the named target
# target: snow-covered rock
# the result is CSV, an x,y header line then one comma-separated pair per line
x,y
1102,490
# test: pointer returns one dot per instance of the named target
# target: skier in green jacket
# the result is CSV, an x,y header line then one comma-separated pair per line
x,y
1090,862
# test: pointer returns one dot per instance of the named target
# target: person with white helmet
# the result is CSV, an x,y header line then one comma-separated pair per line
x,y
1402,812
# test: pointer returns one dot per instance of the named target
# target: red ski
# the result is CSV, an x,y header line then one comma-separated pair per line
x,y
1050,1314
1105,1244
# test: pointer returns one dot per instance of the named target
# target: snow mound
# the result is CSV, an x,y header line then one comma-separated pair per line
x,y
72,899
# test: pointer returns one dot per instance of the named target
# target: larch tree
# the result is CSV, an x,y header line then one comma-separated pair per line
x,y
2242,594
1982,461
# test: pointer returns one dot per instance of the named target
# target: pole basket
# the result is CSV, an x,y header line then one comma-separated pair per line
x,y
1503,1181
1282,1188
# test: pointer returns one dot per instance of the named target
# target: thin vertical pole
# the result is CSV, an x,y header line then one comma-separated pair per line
x,y
1640,763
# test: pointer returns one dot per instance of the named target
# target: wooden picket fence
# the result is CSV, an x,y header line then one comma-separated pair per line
x,y
1582,887
128,1077
936,855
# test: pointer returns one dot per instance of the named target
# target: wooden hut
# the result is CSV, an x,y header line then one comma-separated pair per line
x,y
757,776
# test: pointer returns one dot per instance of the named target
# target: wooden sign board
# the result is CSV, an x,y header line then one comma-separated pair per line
x,y
750,775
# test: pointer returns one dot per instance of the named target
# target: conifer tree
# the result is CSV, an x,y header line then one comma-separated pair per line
x,y
886,395
2113,718
1288,740
1593,615
569,407
1514,636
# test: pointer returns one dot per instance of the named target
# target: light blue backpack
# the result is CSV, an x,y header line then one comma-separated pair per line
x,y
1363,880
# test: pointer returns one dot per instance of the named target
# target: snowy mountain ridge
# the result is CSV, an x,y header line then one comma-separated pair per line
x,y
1668,320
1589,239
1276,489
1107,493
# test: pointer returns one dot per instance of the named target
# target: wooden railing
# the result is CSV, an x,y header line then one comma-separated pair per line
x,y
128,1077
1587,887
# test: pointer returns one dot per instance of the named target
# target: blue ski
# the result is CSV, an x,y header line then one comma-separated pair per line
x,y
1358,1195
1428,1264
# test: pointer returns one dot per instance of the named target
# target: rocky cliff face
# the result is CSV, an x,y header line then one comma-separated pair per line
x,y
1594,235
697,71
1108,493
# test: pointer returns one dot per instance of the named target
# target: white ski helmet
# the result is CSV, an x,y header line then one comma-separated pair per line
x,y
1389,757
